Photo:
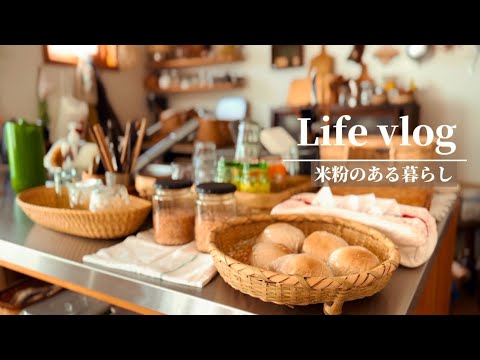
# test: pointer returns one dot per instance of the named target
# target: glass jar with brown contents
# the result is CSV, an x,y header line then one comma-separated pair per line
x,y
215,204
173,212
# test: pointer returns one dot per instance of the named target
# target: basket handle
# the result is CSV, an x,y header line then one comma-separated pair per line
x,y
335,308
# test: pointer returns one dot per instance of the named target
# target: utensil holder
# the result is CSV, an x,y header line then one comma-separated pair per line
x,y
112,178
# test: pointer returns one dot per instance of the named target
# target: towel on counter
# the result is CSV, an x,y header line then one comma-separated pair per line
x,y
140,254
413,229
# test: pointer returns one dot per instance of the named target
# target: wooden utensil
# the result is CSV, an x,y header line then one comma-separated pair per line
x,y
103,147
138,144
93,136
323,63
126,139
113,138
130,145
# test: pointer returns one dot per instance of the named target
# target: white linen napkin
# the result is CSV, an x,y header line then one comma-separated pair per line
x,y
140,254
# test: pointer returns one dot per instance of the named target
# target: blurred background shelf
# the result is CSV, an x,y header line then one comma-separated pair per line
x,y
195,89
192,62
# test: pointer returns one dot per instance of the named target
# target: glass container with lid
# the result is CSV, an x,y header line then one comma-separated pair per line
x,y
79,193
215,204
255,178
173,212
204,162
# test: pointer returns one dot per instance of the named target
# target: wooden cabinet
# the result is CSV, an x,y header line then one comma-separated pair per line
x,y
435,297
368,116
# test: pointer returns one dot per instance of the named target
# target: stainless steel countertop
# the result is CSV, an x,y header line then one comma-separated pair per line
x,y
27,245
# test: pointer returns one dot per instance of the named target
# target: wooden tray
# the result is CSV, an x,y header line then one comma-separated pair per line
x,y
265,202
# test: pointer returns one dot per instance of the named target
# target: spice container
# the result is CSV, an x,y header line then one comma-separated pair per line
x,y
215,204
229,172
62,179
255,178
79,193
173,212
109,198
204,162
276,172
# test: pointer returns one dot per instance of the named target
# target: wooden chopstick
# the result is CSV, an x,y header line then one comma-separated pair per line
x,y
126,139
93,135
138,144
103,147
113,139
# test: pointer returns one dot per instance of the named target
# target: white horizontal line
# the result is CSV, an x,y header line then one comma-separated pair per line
x,y
376,160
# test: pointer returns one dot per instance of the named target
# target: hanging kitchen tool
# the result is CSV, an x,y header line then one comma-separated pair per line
x,y
356,56
418,52
323,63
357,53
165,144
386,53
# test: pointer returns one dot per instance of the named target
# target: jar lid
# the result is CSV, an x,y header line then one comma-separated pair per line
x,y
167,184
216,188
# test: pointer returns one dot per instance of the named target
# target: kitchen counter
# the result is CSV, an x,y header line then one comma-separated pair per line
x,y
57,258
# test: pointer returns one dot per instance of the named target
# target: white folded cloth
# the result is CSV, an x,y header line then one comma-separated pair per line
x,y
412,229
140,254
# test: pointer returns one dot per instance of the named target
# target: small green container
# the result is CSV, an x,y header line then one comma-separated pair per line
x,y
26,149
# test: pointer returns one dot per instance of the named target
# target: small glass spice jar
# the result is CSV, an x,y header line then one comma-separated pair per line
x,y
215,204
255,178
173,212
109,198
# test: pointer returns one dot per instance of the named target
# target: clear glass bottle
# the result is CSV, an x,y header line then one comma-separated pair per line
x,y
248,146
215,204
366,93
62,178
204,162
173,212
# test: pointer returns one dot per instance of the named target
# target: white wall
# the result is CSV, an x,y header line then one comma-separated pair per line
x,y
448,94
18,74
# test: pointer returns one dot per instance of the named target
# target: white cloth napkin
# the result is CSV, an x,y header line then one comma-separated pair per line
x,y
140,254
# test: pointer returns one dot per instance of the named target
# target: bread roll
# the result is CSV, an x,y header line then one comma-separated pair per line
x,y
352,260
300,264
283,234
321,244
264,253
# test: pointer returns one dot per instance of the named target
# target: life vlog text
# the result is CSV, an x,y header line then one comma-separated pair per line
x,y
385,172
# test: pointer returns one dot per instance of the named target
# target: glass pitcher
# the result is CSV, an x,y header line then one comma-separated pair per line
x,y
248,146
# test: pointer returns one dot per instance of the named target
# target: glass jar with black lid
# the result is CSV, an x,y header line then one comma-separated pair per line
x,y
173,212
215,204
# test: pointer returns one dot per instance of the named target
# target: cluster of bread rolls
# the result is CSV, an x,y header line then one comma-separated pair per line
x,y
284,248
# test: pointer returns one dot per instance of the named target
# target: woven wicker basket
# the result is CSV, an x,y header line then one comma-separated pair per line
x,y
39,204
231,243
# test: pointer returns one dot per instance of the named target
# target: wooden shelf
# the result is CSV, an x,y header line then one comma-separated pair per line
x,y
192,62
196,89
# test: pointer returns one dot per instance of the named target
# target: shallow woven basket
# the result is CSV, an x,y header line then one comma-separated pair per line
x,y
39,204
231,243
